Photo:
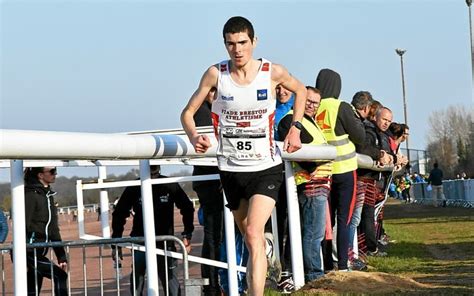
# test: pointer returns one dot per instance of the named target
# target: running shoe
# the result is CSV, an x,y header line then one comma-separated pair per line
x,y
377,253
286,285
273,263
357,264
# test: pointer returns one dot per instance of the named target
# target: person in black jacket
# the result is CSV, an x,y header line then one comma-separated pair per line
x,y
42,226
436,181
378,148
165,196
342,128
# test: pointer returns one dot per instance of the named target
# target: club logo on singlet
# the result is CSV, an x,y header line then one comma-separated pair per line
x,y
261,94
225,98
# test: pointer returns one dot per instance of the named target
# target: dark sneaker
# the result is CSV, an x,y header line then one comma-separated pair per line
x,y
377,254
274,265
286,284
357,264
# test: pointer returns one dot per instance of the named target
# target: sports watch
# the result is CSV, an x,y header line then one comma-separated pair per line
x,y
297,124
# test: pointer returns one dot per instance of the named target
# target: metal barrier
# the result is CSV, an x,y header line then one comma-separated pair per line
x,y
102,148
108,280
458,193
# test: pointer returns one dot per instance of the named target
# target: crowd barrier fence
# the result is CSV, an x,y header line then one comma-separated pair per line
x,y
458,193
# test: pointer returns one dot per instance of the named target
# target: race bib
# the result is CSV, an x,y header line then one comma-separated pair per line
x,y
243,143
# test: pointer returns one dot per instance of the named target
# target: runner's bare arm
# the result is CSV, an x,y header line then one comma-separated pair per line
x,y
209,80
281,76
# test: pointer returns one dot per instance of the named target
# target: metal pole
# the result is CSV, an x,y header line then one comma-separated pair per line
x,y
80,209
104,204
231,253
405,104
469,4
149,227
19,226
400,52
294,227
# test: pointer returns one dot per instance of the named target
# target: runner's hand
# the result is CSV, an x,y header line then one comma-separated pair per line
x,y
201,143
292,141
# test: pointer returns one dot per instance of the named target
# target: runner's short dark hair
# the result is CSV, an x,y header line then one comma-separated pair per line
x,y
238,24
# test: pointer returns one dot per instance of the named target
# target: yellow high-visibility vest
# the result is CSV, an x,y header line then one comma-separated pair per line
x,y
346,159
325,169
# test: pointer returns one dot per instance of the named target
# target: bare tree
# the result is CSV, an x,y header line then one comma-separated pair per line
x,y
450,139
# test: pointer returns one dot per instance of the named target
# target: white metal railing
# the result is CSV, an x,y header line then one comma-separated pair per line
x,y
165,148
76,252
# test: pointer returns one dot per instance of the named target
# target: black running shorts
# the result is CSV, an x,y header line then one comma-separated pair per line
x,y
243,185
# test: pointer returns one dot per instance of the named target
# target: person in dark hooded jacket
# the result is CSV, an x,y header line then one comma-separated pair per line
x,y
42,226
342,127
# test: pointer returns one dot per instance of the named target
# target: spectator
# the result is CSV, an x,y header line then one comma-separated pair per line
x,y
3,227
374,108
362,102
313,182
341,127
417,178
406,189
367,189
398,133
436,181
165,196
41,220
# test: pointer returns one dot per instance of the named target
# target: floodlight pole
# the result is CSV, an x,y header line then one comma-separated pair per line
x,y
400,52
469,4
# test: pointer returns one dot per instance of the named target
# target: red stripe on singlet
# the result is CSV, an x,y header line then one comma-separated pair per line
x,y
271,122
215,122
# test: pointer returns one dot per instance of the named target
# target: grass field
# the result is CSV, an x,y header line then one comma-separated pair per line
x,y
432,246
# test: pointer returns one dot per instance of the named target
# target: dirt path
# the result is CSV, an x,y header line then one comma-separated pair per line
x,y
450,270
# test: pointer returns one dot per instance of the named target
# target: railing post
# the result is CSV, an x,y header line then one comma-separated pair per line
x,y
104,204
230,250
80,208
294,227
149,227
19,233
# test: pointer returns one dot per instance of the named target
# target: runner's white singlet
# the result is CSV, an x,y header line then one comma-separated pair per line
x,y
243,119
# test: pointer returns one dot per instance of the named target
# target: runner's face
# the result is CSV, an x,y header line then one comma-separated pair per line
x,y
239,47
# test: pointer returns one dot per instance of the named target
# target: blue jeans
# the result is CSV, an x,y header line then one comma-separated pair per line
x,y
356,215
313,226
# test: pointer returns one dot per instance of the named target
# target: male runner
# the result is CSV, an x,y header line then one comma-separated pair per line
x,y
243,113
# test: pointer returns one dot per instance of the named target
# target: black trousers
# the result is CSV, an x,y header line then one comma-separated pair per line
x,y
171,282
212,203
367,227
342,201
43,270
